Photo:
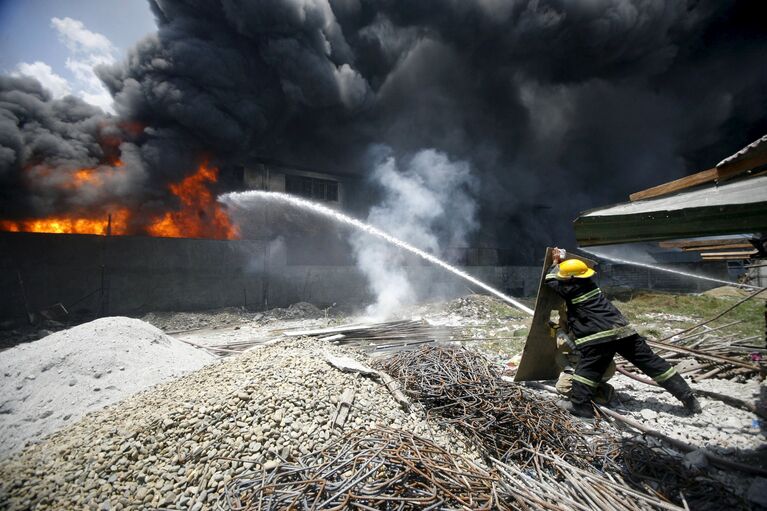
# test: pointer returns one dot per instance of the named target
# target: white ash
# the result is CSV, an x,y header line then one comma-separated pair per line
x,y
52,382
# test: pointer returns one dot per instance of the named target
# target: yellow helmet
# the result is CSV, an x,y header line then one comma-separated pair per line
x,y
574,268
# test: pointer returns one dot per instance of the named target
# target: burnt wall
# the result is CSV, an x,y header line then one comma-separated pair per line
x,y
125,275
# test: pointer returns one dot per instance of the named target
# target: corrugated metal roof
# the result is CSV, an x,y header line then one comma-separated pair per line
x,y
757,146
735,207
743,191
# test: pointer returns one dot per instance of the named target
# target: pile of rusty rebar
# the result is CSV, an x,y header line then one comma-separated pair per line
x,y
377,469
460,388
385,469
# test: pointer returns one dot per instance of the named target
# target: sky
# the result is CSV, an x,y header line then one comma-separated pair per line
x,y
57,42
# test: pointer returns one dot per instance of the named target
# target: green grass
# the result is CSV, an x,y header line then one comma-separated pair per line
x,y
697,308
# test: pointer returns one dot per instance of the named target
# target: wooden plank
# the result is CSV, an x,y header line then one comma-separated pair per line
x,y
741,254
699,178
394,388
697,244
718,174
718,247
714,259
539,356
329,330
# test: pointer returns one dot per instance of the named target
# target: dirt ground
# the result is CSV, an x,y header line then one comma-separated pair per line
x,y
500,331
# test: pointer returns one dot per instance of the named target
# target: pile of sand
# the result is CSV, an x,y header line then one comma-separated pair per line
x,y
52,382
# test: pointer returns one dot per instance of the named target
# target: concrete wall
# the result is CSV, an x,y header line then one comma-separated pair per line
x,y
133,275
128,275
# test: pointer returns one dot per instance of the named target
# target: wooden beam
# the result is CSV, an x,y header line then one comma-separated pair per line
x,y
718,247
718,174
700,178
732,255
716,259
683,244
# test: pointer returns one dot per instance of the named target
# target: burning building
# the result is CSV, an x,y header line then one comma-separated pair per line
x,y
539,99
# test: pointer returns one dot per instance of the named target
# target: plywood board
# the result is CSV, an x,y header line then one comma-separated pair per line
x,y
539,356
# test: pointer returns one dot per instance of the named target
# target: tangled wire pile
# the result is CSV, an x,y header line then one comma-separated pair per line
x,y
461,388
377,469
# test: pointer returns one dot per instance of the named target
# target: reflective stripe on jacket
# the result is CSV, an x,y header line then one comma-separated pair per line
x,y
591,318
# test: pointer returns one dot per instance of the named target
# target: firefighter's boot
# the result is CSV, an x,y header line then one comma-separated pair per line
x,y
682,391
580,400
585,411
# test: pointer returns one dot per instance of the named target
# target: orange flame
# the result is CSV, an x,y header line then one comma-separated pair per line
x,y
200,216
71,225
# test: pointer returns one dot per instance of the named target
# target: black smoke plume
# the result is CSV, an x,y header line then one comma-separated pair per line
x,y
559,106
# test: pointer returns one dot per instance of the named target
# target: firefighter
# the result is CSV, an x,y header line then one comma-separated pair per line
x,y
598,330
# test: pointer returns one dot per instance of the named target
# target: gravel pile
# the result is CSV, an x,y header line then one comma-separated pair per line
x,y
52,382
180,321
176,446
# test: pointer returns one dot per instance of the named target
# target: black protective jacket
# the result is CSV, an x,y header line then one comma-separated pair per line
x,y
591,318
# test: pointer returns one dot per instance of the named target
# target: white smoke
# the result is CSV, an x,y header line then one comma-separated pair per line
x,y
428,203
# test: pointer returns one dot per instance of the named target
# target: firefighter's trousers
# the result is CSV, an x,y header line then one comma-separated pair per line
x,y
595,359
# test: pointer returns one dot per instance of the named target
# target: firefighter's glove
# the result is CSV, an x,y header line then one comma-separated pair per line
x,y
563,339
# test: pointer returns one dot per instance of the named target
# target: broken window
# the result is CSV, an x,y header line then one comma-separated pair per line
x,y
312,188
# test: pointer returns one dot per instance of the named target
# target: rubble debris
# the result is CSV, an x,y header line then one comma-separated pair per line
x,y
56,380
730,400
350,365
345,402
476,306
300,310
175,322
680,445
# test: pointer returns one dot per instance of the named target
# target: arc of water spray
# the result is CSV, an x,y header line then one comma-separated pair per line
x,y
242,198
669,270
